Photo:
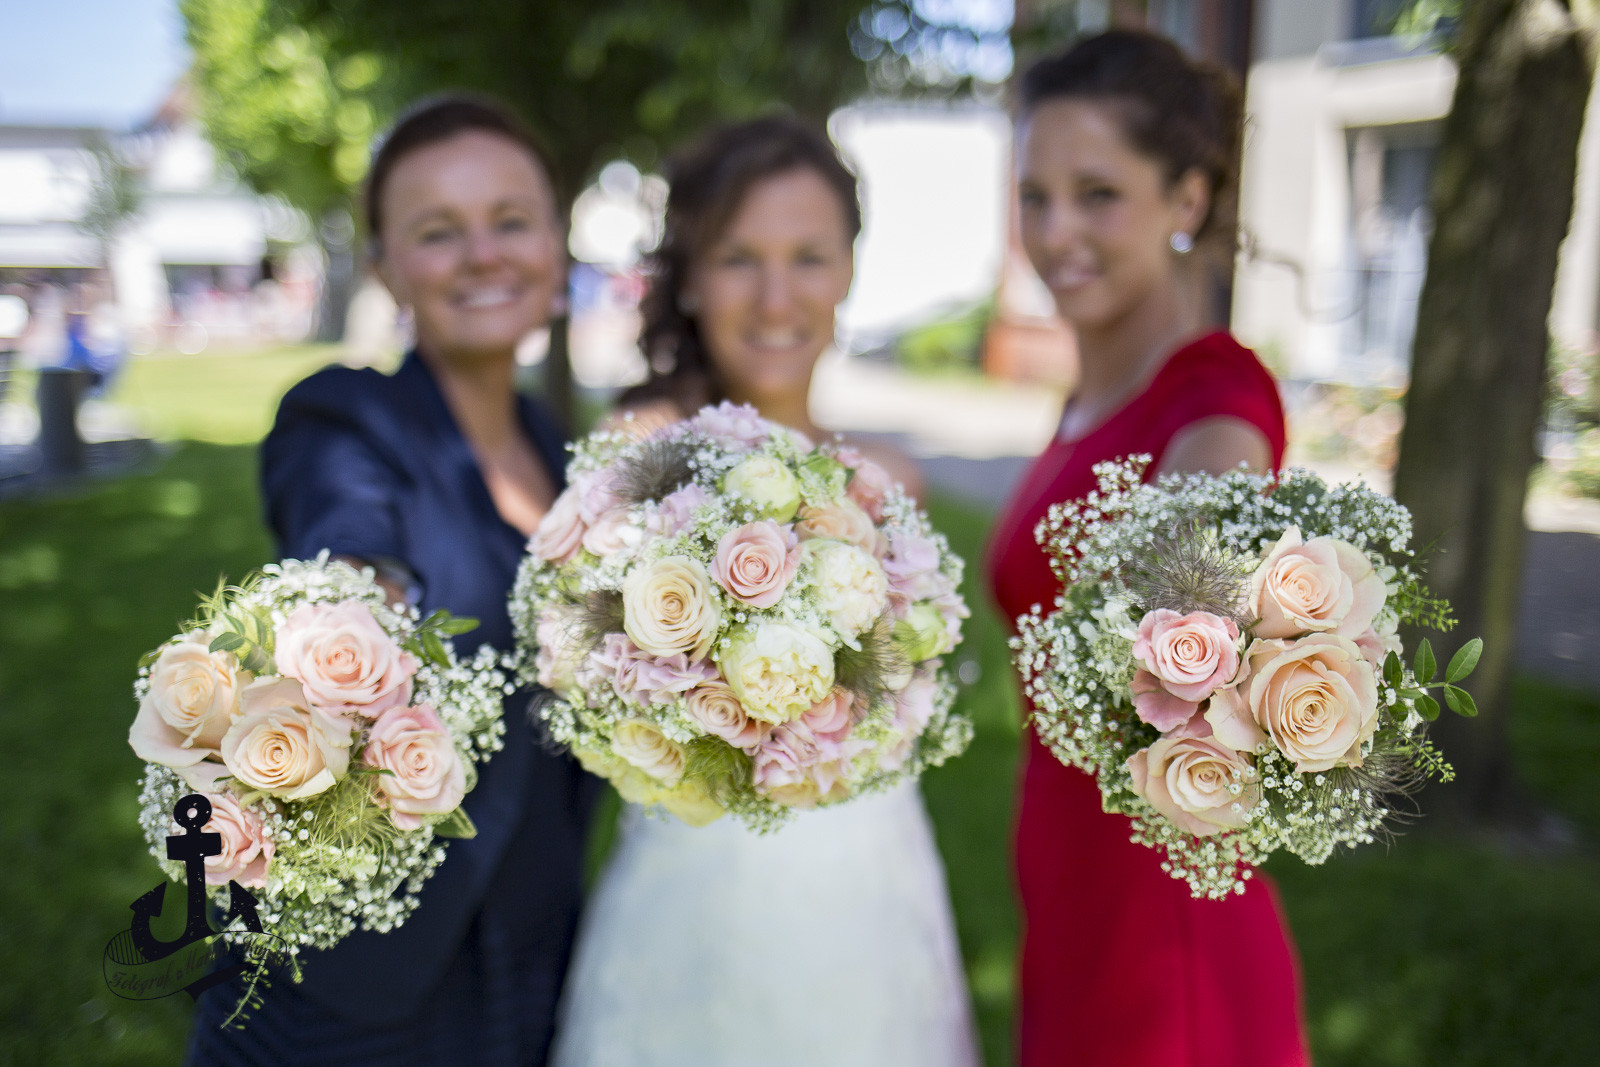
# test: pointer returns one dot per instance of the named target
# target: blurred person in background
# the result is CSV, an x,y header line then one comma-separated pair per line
x,y
435,476
1125,156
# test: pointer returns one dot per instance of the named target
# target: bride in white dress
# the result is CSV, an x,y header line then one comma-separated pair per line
x,y
830,941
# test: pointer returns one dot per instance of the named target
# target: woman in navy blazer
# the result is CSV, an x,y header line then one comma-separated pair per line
x,y
435,475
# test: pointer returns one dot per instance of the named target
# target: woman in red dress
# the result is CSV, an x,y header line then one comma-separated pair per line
x,y
1124,153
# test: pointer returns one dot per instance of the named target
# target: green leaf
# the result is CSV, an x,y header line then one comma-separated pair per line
x,y
1465,659
1393,672
458,625
434,648
1425,665
457,824
1428,707
1460,702
226,642
434,620
256,661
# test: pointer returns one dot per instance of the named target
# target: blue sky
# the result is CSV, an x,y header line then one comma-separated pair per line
x,y
97,62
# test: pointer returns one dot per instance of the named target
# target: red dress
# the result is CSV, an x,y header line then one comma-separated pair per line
x,y
1120,966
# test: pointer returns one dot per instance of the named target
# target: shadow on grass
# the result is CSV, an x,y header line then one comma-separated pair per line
x,y
90,583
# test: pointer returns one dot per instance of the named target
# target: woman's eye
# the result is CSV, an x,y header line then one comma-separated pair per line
x,y
515,224
736,259
434,236
1099,194
1030,199
811,259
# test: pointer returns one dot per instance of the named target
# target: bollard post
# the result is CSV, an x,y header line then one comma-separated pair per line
x,y
61,450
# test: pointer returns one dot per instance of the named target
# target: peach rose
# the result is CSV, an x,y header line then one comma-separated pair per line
x,y
1182,659
1189,780
869,483
560,532
247,848
668,609
1317,700
842,520
279,745
426,775
756,562
714,707
1322,585
193,699
777,670
613,532
343,658
644,746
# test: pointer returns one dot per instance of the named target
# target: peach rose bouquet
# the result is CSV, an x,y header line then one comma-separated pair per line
x,y
335,737
1224,660
730,619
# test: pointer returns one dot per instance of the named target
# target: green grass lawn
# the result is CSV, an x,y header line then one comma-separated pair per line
x,y
1430,951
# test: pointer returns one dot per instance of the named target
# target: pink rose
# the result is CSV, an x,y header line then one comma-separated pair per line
x,y
560,532
1189,780
280,745
869,483
831,718
842,520
193,699
426,775
714,707
912,564
1182,660
1317,700
555,660
1375,647
1322,585
735,426
247,848
343,658
676,512
756,562
613,532
638,676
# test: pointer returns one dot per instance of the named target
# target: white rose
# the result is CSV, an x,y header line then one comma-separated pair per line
x,y
851,586
778,671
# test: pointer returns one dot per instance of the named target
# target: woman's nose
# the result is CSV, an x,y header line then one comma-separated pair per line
x,y
777,291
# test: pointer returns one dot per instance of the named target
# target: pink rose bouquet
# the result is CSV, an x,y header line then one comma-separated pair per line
x,y
334,736
757,626
1224,660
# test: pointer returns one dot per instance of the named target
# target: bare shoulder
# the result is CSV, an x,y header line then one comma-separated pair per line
x,y
899,465
642,418
1215,446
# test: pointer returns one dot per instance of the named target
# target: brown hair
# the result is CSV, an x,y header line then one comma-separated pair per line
x,y
707,184
1184,114
436,119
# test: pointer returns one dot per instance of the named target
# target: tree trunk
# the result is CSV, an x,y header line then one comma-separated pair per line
x,y
1502,200
336,238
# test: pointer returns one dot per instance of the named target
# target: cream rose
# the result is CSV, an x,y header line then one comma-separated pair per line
x,y
714,707
426,775
280,746
851,585
644,746
1191,781
842,520
768,484
193,699
1322,585
777,670
756,562
667,608
344,659
1317,700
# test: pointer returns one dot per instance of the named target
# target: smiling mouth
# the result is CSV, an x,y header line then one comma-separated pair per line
x,y
777,339
488,299
1069,278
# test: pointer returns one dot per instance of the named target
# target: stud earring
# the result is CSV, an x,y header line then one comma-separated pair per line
x,y
1181,243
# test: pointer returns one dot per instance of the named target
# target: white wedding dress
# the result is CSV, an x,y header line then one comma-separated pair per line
x,y
828,942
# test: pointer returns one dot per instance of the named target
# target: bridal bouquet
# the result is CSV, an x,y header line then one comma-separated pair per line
x,y
733,620
1224,661
334,737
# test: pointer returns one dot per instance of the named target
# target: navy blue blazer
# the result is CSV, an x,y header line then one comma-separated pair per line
x,y
371,465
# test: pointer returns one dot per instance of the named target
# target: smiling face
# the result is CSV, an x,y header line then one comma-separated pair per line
x,y
765,289
1096,214
470,243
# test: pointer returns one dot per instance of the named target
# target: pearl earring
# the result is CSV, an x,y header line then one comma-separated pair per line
x,y
1181,243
